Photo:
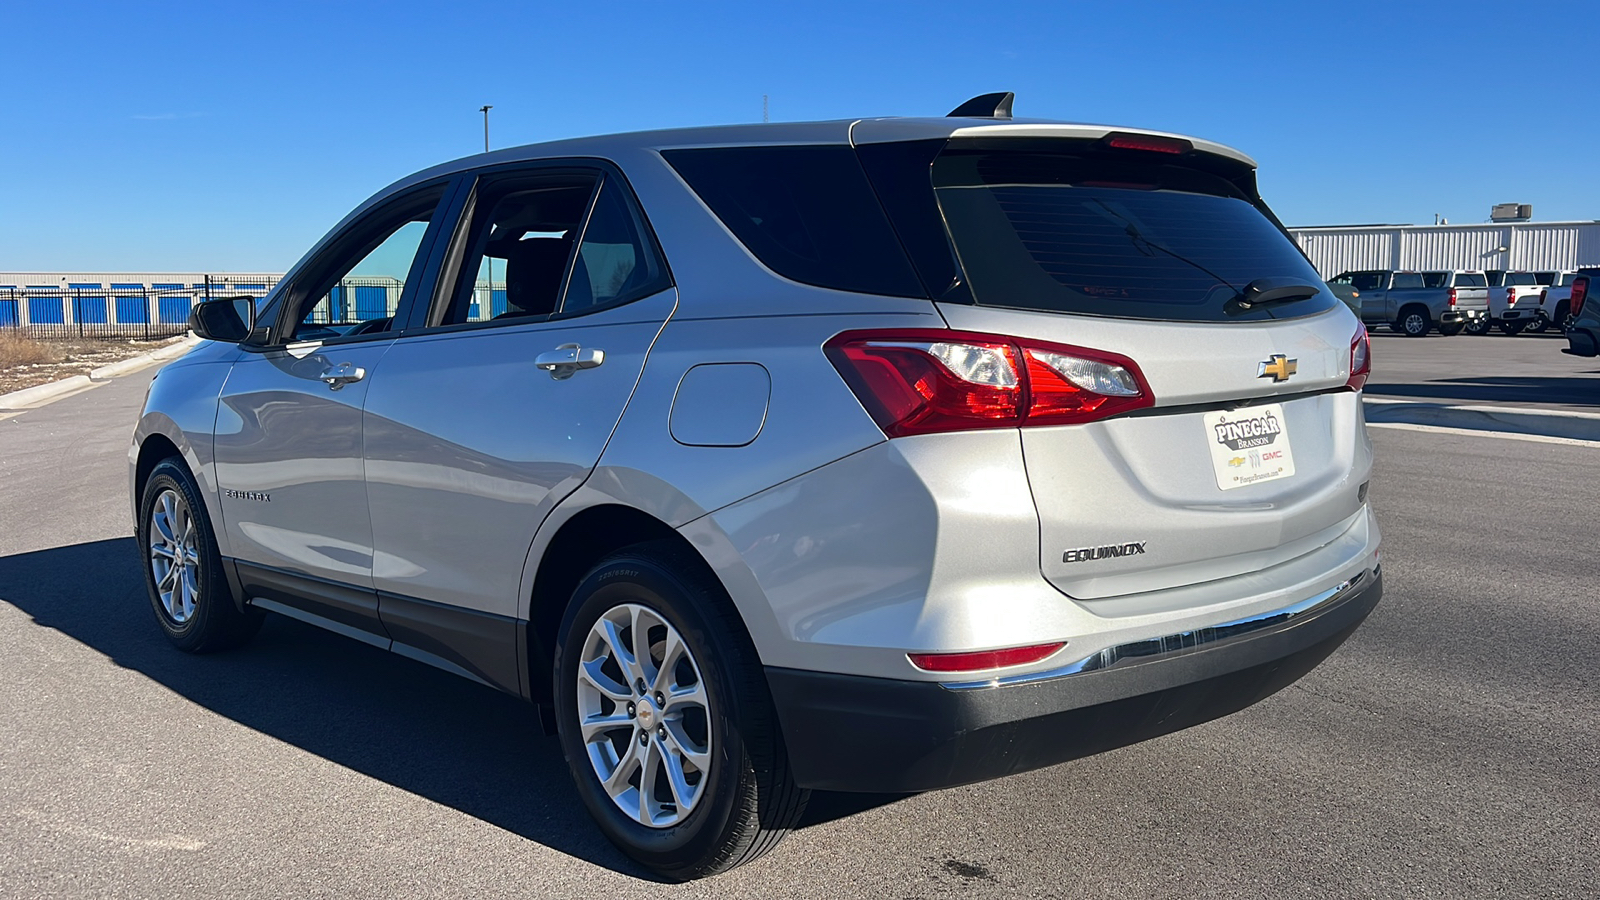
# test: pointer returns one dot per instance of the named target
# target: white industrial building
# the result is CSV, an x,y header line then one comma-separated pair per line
x,y
1490,246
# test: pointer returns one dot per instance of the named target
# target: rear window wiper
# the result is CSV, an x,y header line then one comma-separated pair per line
x,y
1267,291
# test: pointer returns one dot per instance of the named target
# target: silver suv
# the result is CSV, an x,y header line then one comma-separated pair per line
x,y
875,455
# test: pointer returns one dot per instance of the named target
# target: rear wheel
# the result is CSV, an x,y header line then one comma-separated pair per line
x,y
1512,328
1538,325
183,570
1414,321
1451,329
1563,317
666,720
1479,325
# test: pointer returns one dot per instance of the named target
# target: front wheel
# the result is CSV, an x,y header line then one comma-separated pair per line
x,y
1511,328
182,568
1451,329
666,720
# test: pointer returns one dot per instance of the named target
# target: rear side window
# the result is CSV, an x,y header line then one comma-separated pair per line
x,y
1404,281
1471,279
1361,281
1436,279
1112,237
806,212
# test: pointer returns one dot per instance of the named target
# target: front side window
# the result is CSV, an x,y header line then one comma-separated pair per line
x,y
357,289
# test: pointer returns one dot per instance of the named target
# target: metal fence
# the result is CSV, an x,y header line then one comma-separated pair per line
x,y
127,311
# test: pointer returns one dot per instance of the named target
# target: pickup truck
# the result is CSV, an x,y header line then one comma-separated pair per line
x,y
1583,324
1514,303
1555,302
1414,303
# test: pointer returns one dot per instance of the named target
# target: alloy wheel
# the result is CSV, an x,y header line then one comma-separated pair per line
x,y
175,556
644,715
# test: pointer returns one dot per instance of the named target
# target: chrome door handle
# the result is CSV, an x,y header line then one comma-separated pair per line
x,y
342,374
568,358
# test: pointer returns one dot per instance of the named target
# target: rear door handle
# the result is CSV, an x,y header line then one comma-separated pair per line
x,y
568,358
342,374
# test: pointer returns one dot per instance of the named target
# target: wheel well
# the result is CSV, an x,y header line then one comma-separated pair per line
x,y
582,542
1562,307
155,448
1419,307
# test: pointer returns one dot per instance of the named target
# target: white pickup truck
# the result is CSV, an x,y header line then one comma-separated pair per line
x,y
1555,302
1514,303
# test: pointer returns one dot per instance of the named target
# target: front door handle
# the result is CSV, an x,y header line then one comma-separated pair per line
x,y
342,374
568,358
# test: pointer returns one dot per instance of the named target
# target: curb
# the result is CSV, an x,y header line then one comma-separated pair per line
x,y
1579,426
39,395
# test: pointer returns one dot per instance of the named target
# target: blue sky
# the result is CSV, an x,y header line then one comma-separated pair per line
x,y
229,137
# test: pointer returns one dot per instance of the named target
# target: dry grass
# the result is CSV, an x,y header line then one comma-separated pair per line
x,y
21,350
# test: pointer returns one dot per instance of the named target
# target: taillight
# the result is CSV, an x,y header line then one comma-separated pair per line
x,y
1360,360
1452,296
983,659
1122,140
1580,291
922,381
1511,296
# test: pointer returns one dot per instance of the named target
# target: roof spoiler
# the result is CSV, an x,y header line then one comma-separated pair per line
x,y
985,106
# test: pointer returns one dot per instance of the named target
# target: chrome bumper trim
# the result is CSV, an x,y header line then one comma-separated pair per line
x,y
1175,643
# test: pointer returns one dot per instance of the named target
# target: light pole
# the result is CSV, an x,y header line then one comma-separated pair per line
x,y
485,110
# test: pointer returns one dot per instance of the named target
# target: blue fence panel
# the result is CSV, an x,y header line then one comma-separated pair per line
x,y
337,300
497,302
45,311
132,310
8,314
91,310
371,302
173,310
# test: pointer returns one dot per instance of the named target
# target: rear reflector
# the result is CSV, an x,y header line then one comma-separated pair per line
x,y
924,381
983,659
1147,142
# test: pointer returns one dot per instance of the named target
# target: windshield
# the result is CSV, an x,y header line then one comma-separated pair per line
x,y
1081,234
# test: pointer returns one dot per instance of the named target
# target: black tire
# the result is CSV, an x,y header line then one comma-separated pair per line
x,y
1512,328
1451,329
749,800
1538,325
1562,319
1477,326
1414,321
213,621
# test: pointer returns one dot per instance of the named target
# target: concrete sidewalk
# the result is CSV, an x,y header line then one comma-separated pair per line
x,y
1579,426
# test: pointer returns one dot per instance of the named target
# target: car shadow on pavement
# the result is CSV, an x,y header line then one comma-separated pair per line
x,y
1499,389
428,732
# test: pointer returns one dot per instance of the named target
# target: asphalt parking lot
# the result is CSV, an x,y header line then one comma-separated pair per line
x,y
1447,750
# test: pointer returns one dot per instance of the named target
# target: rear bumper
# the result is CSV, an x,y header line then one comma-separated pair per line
x,y
1582,343
1452,316
850,733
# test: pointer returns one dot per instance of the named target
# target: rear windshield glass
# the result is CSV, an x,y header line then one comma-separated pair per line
x,y
1521,279
1566,279
1085,234
1471,279
807,212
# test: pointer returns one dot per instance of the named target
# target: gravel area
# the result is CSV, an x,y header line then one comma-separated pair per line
x,y
26,362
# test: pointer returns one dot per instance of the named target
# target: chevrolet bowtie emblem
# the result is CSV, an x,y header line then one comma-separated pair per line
x,y
1278,368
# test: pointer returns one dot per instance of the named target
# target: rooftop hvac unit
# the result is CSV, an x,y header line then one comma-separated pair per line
x,y
1503,212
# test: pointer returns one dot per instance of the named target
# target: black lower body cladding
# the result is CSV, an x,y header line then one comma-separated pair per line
x,y
850,733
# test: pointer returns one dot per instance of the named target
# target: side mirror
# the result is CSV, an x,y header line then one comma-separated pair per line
x,y
229,319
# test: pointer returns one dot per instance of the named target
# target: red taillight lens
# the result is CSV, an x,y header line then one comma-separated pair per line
x,y
1452,296
1580,292
1149,142
1511,296
1360,360
922,381
983,659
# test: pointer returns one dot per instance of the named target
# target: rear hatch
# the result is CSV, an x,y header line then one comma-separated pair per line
x,y
1142,247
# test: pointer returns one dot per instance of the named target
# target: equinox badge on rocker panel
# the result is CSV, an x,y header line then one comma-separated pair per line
x,y
1249,445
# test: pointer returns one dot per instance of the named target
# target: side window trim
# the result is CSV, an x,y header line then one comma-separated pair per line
x,y
423,265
